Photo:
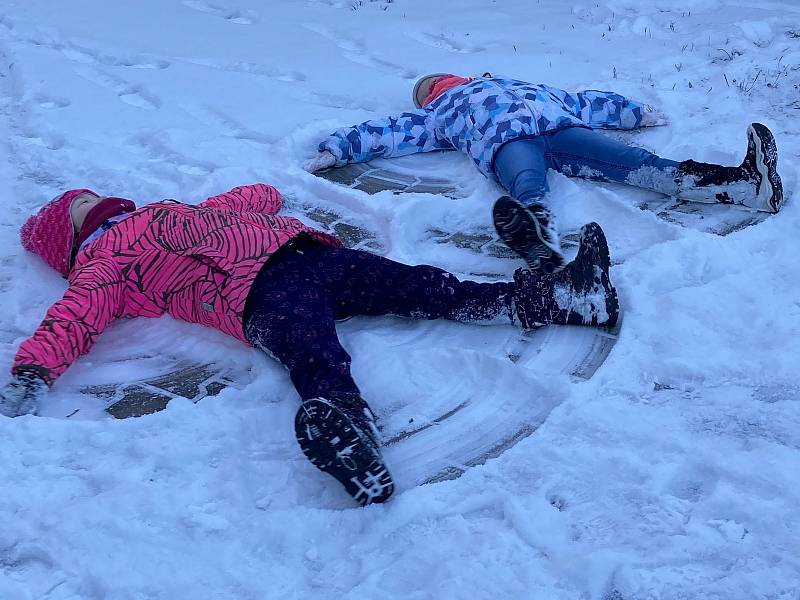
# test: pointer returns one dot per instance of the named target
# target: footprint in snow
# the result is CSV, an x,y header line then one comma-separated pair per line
x,y
45,140
134,97
156,148
238,16
447,42
226,125
356,52
90,56
133,94
51,102
336,101
249,69
692,482
758,32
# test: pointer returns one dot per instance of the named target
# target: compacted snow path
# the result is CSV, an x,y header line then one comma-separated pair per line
x,y
670,473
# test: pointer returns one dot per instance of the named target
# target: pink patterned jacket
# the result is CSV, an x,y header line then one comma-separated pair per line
x,y
196,263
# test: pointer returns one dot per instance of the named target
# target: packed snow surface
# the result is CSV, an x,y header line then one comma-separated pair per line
x,y
672,473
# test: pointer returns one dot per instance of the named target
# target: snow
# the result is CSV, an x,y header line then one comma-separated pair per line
x,y
672,473
589,305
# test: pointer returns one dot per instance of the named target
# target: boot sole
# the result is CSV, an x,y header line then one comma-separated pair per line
x,y
335,446
770,196
523,235
592,236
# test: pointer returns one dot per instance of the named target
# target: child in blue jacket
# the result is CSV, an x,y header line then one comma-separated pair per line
x,y
515,131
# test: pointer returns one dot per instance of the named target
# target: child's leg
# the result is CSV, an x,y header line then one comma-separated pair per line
x,y
362,283
522,220
581,152
289,316
292,307
755,183
291,310
521,168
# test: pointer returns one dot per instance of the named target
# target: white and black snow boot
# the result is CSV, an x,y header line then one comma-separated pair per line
x,y
529,231
339,438
580,294
754,183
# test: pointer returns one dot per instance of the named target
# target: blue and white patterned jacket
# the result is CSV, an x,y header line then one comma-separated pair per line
x,y
479,116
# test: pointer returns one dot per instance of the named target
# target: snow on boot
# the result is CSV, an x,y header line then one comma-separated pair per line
x,y
581,294
754,183
340,439
530,232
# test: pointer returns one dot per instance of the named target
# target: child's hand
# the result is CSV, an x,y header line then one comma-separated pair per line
x,y
323,160
21,395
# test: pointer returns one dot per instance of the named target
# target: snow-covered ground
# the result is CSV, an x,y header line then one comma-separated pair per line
x,y
672,473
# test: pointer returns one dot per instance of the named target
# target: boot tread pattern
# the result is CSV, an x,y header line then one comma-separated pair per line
x,y
763,152
336,446
522,231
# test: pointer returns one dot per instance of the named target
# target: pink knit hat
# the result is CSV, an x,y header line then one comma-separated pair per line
x,y
51,234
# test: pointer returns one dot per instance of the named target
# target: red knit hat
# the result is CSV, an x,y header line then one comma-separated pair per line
x,y
51,234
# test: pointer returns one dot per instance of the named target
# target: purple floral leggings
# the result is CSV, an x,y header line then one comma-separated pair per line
x,y
293,305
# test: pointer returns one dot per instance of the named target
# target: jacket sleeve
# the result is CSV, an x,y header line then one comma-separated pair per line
x,y
258,197
607,110
71,325
407,133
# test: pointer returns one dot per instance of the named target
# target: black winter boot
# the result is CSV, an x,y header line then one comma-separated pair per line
x,y
339,437
754,183
581,294
530,232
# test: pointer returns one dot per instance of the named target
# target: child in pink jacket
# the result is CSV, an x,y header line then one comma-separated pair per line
x,y
234,264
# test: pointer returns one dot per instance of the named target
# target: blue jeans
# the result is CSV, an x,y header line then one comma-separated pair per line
x,y
521,165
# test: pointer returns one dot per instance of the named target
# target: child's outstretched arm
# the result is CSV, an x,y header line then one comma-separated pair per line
x,y
608,110
407,133
70,327
258,197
